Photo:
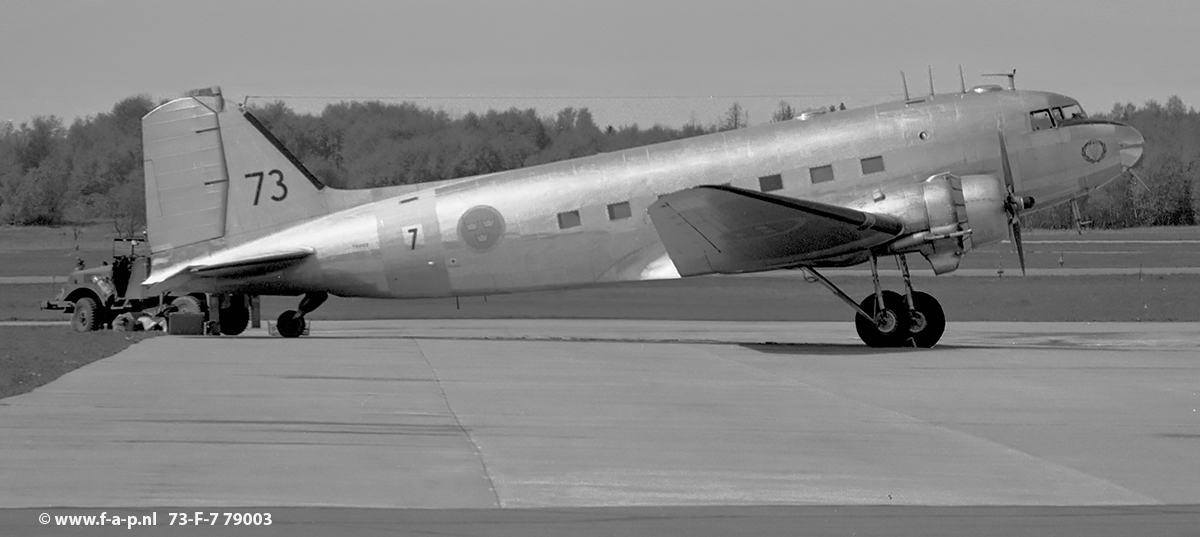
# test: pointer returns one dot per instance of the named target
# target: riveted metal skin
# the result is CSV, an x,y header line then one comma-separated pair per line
x,y
264,225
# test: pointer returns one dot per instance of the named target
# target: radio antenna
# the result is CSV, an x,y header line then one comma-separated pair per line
x,y
1012,83
931,92
904,80
962,82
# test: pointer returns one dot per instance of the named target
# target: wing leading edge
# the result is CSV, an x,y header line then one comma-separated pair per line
x,y
725,229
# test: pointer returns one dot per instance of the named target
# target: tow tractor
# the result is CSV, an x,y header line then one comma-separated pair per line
x,y
112,296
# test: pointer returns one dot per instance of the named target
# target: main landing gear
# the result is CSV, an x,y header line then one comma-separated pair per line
x,y
291,322
889,319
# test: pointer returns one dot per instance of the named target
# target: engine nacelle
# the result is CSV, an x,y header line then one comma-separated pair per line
x,y
945,216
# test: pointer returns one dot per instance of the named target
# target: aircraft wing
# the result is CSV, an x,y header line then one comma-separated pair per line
x,y
226,267
726,229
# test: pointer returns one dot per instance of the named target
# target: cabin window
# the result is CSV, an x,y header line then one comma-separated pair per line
x,y
619,211
1041,120
568,220
770,182
872,165
821,174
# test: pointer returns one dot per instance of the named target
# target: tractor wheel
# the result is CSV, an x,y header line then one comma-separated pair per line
x,y
233,321
87,315
187,304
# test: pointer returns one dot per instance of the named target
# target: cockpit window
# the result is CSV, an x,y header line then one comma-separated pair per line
x,y
1057,114
1073,112
1040,119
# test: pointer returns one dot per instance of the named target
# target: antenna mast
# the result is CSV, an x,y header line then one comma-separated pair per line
x,y
962,82
931,92
904,80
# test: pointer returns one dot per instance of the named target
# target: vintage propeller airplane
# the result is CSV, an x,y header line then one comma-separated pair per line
x,y
231,214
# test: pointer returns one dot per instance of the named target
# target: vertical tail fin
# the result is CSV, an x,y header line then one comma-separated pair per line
x,y
213,173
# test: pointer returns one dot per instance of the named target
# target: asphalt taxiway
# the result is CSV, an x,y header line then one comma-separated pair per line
x,y
475,414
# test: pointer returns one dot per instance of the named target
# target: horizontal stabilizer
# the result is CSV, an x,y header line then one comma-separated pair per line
x,y
253,266
226,266
726,229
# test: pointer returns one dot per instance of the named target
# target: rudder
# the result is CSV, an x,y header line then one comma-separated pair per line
x,y
213,173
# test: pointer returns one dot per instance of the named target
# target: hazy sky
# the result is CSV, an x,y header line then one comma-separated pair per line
x,y
77,58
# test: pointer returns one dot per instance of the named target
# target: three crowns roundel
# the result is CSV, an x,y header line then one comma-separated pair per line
x,y
481,228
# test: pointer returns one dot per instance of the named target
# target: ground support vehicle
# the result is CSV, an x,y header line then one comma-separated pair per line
x,y
112,296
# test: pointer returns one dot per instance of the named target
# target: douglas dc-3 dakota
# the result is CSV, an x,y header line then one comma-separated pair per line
x,y
232,214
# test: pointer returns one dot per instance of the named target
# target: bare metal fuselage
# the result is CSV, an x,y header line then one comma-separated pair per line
x,y
505,233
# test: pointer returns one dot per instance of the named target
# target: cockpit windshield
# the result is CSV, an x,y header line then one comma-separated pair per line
x,y
1073,111
1054,117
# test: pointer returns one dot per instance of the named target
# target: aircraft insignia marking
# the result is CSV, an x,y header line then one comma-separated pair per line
x,y
481,228
1094,151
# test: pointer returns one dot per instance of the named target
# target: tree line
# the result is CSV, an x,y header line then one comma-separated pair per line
x,y
52,174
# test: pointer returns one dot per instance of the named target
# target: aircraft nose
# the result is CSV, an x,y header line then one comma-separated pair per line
x,y
1129,146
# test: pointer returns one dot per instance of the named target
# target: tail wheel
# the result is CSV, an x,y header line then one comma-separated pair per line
x,y
87,315
928,320
887,327
290,324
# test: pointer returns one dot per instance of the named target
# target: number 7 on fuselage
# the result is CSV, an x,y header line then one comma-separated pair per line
x,y
231,213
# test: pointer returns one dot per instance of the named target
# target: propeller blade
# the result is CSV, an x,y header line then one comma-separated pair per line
x,y
1013,204
1016,237
1008,178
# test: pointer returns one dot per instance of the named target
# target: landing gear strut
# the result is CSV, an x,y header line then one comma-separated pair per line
x,y
291,322
889,319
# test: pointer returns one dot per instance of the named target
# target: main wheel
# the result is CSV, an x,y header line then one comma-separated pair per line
x,y
233,321
886,328
87,315
290,324
928,320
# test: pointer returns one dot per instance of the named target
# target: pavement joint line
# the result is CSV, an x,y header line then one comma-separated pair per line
x,y
475,445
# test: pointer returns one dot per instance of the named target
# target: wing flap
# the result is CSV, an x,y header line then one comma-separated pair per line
x,y
729,230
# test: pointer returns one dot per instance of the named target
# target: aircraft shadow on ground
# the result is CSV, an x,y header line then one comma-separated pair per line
x,y
796,349
833,349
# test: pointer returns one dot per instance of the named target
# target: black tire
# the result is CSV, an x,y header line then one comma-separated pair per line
x,y
888,328
188,304
233,321
87,316
929,321
290,324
